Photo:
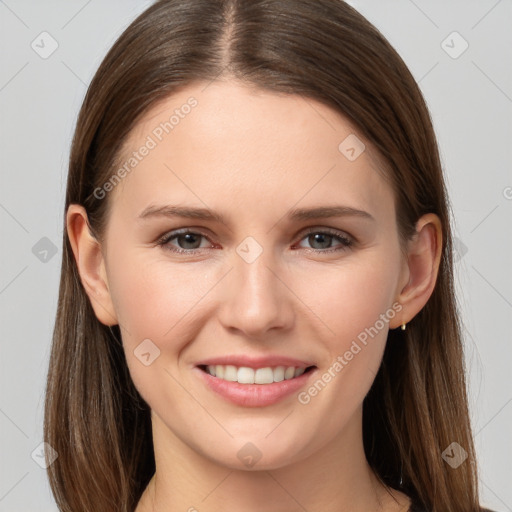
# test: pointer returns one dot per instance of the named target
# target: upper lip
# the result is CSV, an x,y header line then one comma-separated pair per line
x,y
255,361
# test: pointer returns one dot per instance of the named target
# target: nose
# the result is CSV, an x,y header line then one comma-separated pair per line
x,y
256,298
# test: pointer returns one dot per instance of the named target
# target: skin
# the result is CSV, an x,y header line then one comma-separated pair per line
x,y
252,156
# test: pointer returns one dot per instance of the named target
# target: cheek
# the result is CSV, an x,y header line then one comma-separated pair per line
x,y
154,301
152,296
347,299
356,304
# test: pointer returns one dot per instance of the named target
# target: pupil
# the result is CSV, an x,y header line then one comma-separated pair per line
x,y
319,237
187,240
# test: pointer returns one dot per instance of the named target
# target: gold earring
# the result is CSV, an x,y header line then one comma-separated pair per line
x,y
403,326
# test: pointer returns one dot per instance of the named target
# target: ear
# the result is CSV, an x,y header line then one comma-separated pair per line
x,y
421,268
91,265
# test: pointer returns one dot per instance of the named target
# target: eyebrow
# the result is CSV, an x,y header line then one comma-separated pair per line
x,y
297,214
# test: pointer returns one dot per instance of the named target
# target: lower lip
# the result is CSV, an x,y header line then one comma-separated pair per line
x,y
254,395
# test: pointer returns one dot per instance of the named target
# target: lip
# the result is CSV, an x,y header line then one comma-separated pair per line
x,y
254,395
256,362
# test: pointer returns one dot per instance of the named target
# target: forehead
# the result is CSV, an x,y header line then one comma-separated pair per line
x,y
231,146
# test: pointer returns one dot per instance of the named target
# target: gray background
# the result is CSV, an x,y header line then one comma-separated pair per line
x,y
470,98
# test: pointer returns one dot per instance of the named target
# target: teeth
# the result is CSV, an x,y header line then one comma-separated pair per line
x,y
279,374
289,373
230,373
245,375
263,376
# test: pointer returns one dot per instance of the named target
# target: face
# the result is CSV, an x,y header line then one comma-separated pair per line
x,y
265,287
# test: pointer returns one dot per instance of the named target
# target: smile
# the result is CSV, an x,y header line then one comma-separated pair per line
x,y
247,375
253,387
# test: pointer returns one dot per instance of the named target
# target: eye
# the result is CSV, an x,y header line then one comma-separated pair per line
x,y
188,239
324,238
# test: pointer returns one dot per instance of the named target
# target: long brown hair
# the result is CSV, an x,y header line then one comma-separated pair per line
x,y
324,50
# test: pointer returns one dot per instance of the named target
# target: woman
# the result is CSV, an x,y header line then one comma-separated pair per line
x,y
305,352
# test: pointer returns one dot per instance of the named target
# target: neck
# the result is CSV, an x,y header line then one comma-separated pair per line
x,y
334,479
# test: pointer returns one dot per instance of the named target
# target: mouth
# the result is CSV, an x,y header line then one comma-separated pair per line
x,y
247,375
260,386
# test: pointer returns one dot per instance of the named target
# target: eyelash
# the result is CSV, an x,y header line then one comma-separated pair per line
x,y
346,242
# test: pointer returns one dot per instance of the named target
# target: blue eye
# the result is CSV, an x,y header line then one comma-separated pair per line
x,y
190,241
